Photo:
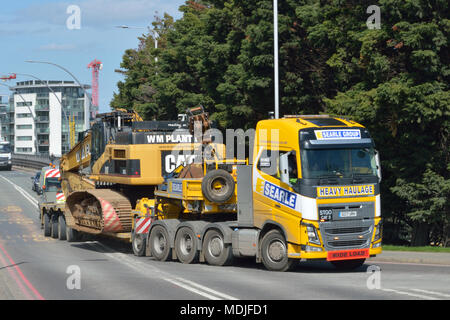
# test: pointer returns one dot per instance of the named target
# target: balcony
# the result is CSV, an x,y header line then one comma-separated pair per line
x,y
43,142
43,130
42,119
41,107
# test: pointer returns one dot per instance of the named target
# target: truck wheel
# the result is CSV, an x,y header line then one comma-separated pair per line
x,y
47,225
138,242
62,228
215,250
218,186
186,245
274,252
348,264
55,225
159,243
72,235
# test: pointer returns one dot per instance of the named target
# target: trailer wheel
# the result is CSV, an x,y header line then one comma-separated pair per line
x,y
138,242
159,243
218,186
47,225
55,225
274,252
72,235
186,245
62,228
215,250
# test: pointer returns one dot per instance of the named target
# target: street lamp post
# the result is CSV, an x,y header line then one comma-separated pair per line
x,y
155,34
75,78
275,51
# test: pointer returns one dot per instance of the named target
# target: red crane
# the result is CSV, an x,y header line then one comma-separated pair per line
x,y
96,67
10,77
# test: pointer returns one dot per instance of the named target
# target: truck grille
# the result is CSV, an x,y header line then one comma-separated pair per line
x,y
346,243
338,235
335,231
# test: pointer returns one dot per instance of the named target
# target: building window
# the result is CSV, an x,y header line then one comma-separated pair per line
x,y
24,149
25,138
23,115
25,104
24,126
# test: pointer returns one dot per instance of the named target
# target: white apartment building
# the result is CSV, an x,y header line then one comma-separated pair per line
x,y
41,117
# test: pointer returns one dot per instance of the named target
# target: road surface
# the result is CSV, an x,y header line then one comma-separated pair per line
x,y
34,267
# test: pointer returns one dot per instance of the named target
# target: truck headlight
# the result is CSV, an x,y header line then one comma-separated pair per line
x,y
311,231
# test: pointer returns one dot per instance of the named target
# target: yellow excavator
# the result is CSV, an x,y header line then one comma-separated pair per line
x,y
109,176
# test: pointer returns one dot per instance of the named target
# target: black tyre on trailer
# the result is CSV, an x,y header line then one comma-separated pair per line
x,y
215,250
62,234
47,224
54,221
138,243
218,186
186,245
159,243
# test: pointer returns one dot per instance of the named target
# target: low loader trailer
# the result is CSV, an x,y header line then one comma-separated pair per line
x,y
311,192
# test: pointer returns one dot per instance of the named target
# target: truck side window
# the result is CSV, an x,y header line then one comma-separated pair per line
x,y
268,163
293,171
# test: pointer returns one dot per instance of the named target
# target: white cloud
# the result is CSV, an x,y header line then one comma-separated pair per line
x,y
57,47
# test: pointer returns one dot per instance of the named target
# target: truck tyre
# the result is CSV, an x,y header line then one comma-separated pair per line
x,y
138,242
47,225
186,245
348,264
72,235
215,250
218,186
55,224
274,251
62,228
160,243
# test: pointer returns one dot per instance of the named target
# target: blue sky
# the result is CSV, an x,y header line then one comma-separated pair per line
x,y
37,30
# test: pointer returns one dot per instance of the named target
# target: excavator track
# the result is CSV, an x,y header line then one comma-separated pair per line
x,y
99,211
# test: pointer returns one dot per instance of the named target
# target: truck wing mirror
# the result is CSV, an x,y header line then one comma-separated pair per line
x,y
378,164
284,168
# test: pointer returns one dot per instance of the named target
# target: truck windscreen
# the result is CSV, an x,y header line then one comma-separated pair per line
x,y
338,163
5,148
52,184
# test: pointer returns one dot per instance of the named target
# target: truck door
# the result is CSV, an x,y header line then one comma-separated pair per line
x,y
275,174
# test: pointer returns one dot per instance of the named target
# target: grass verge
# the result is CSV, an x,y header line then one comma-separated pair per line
x,y
388,247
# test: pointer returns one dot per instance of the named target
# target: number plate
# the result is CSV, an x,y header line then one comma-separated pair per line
x,y
348,254
347,214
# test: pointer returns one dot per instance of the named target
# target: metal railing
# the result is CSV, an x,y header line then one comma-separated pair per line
x,y
32,161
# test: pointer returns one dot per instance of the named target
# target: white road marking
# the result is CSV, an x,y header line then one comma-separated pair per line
x,y
410,294
413,264
432,292
26,195
151,270
224,296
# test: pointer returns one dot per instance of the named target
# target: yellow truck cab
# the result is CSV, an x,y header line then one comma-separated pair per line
x,y
316,179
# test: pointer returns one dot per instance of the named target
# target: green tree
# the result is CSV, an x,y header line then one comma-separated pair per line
x,y
394,80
